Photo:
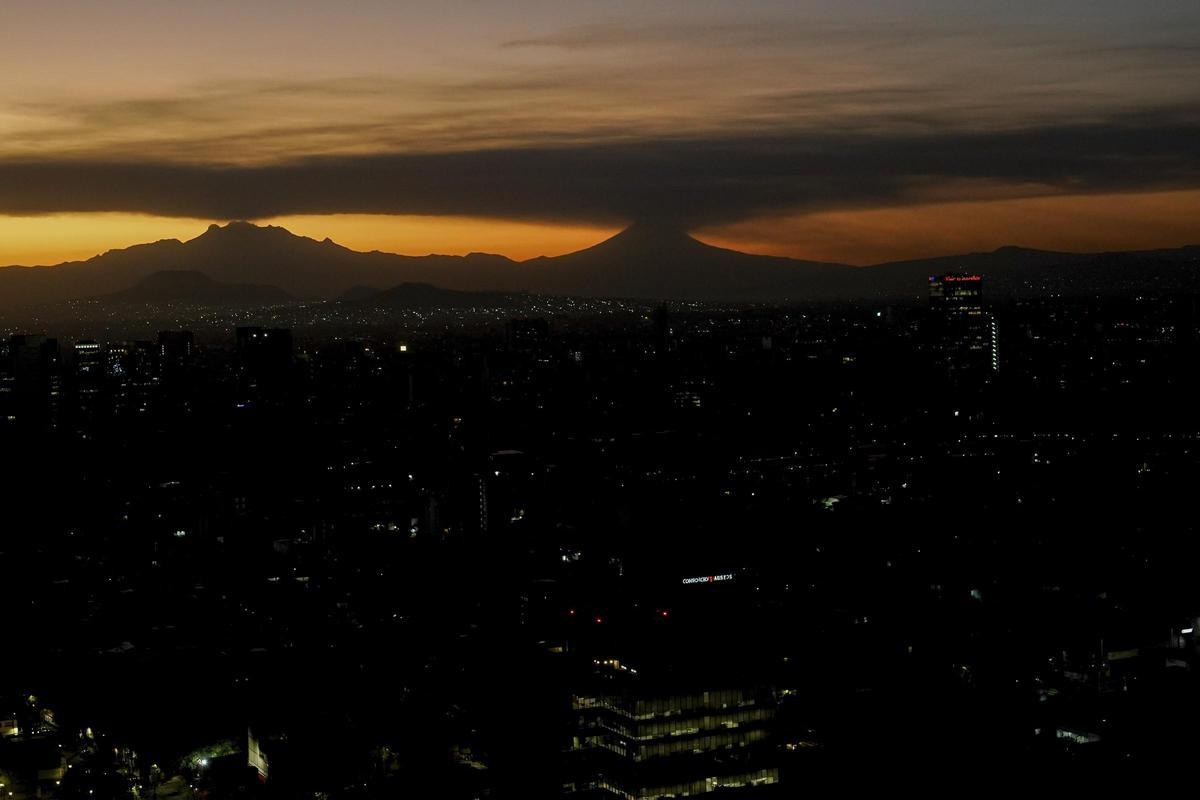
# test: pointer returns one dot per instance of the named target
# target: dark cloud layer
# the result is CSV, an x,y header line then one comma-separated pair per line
x,y
691,180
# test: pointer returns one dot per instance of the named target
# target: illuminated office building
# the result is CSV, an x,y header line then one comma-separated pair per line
x,y
89,377
638,739
968,333
659,713
89,359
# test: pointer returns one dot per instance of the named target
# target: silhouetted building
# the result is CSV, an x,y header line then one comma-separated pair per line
x,y
265,353
174,350
472,501
664,333
132,369
33,353
34,381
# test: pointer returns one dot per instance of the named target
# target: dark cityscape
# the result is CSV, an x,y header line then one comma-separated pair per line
x,y
612,401
668,552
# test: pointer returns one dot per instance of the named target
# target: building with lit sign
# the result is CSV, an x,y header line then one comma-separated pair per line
x,y
672,696
708,579
968,334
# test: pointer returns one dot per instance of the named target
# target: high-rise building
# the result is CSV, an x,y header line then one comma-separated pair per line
x,y
174,350
968,333
956,293
664,333
133,374
265,349
33,380
89,377
265,358
89,359
33,352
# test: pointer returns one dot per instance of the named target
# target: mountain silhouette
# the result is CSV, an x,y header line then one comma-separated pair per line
x,y
240,252
657,261
357,294
189,286
308,268
650,261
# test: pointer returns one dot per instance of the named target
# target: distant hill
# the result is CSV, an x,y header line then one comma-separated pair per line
x,y
426,296
644,261
1018,271
356,294
189,286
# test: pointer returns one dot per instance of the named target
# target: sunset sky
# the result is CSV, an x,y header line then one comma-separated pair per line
x,y
834,130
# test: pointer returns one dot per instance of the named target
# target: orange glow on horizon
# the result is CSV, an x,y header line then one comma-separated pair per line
x,y
1069,223
1074,223
420,235
56,238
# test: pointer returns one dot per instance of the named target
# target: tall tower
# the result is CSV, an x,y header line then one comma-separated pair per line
x,y
969,334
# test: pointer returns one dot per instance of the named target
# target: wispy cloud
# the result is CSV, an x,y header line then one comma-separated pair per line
x,y
632,80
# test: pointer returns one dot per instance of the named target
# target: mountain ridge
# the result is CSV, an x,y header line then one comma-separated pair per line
x,y
197,288
642,261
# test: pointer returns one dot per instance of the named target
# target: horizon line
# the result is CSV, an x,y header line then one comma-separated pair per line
x,y
234,223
